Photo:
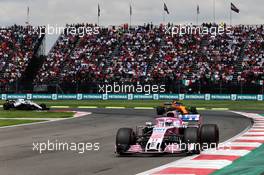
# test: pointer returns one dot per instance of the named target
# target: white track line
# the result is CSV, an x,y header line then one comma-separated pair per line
x,y
62,107
208,164
220,109
254,133
246,144
31,119
27,124
228,152
143,108
201,108
257,129
87,107
252,138
114,107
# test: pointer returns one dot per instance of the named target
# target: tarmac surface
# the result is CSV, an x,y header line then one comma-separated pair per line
x,y
18,158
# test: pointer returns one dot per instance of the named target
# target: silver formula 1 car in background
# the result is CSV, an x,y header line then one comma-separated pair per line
x,y
21,104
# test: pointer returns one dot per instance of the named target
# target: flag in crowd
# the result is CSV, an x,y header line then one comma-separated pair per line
x,y
234,8
166,9
28,10
130,10
198,9
99,10
27,21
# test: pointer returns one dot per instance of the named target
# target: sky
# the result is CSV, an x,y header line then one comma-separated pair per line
x,y
116,12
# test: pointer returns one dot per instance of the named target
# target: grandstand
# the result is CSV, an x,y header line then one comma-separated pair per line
x,y
190,63
19,51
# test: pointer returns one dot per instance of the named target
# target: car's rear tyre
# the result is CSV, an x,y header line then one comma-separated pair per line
x,y
32,108
160,110
193,110
43,106
209,135
124,138
191,136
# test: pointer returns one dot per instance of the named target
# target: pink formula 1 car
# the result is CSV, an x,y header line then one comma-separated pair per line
x,y
173,133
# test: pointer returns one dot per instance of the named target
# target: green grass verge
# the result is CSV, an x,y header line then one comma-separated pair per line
x,y
251,164
232,105
6,122
34,114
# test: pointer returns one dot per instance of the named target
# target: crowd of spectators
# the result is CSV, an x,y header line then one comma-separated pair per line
x,y
16,50
253,62
176,57
221,53
57,57
90,58
148,54
133,59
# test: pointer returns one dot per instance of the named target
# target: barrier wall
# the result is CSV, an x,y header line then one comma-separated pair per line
x,y
233,97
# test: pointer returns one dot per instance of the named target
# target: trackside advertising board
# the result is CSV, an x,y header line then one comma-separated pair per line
x,y
233,97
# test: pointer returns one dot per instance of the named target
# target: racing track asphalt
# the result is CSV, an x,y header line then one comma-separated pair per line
x,y
17,157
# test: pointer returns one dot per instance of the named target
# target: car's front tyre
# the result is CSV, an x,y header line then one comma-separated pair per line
x,y
193,110
160,110
6,106
124,138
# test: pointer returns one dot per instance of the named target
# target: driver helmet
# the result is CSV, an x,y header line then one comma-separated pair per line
x,y
21,100
177,103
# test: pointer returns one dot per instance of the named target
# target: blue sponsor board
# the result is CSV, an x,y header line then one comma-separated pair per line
x,y
143,97
117,97
92,96
14,96
247,97
194,97
169,96
67,96
233,97
221,96
41,97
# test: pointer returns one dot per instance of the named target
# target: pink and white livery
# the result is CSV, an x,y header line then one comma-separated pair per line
x,y
173,133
